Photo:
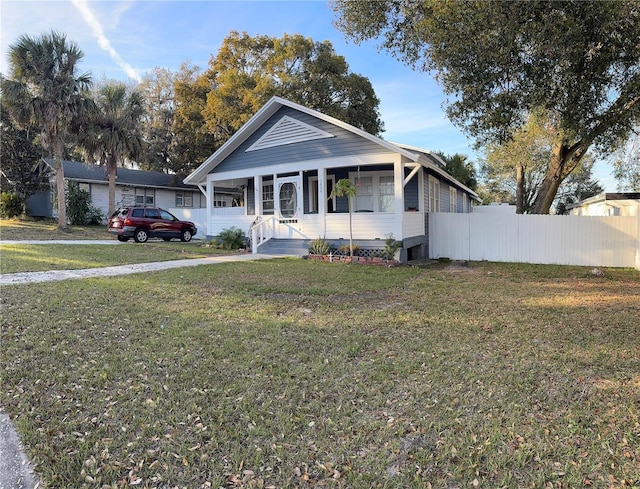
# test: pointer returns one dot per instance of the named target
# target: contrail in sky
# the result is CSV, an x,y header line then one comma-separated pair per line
x,y
96,27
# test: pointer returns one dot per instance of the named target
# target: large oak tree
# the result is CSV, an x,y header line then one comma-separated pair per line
x,y
247,71
500,61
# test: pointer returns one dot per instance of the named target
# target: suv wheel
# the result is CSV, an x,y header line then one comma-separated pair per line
x,y
186,235
141,235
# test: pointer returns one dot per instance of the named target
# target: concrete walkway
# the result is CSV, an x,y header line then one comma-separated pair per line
x,y
56,275
15,471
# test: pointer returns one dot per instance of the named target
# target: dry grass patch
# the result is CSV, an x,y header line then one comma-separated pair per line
x,y
291,373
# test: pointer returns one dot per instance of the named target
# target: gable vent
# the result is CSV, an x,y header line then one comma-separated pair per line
x,y
287,131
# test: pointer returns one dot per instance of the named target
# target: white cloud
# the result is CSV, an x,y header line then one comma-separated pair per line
x,y
103,41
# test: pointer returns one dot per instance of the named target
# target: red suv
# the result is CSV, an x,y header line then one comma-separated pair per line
x,y
142,223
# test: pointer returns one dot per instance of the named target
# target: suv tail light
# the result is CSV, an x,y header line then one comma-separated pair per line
x,y
127,222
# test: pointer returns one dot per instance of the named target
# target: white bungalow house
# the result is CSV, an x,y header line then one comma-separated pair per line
x,y
284,163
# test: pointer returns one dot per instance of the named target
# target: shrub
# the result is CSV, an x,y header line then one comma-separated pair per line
x,y
232,238
11,204
319,246
79,209
391,246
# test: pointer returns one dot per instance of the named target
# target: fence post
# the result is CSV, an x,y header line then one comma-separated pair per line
x,y
638,237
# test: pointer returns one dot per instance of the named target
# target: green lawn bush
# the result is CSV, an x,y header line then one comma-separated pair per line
x,y
11,205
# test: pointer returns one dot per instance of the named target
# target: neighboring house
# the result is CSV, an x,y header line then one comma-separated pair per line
x,y
607,204
133,187
495,208
284,163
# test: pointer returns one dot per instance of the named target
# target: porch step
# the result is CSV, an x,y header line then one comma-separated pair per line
x,y
298,247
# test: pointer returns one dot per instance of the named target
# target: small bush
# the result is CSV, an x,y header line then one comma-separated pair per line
x,y
391,246
232,238
11,205
79,209
319,246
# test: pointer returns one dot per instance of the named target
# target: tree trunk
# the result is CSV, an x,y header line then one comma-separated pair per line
x,y
519,189
553,178
62,200
112,171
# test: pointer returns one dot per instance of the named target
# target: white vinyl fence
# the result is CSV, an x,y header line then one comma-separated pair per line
x,y
563,240
196,216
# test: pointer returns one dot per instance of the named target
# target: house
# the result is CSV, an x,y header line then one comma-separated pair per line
x,y
133,187
284,164
607,204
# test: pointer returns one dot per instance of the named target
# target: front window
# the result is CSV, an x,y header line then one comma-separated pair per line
x,y
267,198
375,191
453,200
364,194
387,194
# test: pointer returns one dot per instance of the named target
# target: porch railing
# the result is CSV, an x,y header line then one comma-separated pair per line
x,y
261,231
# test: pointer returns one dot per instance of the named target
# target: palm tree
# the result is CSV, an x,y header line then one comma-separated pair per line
x,y
45,92
345,187
113,132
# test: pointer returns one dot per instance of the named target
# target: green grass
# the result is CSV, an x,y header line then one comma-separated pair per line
x,y
291,373
33,258
47,229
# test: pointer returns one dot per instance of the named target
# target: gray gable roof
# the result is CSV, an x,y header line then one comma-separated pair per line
x,y
424,157
87,172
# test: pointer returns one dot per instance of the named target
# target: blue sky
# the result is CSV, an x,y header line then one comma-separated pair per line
x,y
124,39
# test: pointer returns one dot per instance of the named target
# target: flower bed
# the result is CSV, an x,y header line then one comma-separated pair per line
x,y
365,260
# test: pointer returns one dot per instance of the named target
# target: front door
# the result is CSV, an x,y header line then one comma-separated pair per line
x,y
288,207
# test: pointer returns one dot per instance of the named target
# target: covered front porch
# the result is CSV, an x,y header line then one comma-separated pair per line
x,y
300,205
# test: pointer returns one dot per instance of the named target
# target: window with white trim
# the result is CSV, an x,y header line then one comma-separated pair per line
x,y
364,194
453,200
434,195
387,193
375,191
145,196
184,199
267,198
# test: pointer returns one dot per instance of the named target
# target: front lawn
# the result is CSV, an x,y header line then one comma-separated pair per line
x,y
41,257
292,373
47,229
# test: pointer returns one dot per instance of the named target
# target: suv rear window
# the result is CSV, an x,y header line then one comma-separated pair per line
x,y
121,213
137,213
152,213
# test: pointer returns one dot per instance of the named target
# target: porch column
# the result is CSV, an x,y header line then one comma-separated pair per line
x,y
322,198
322,192
257,194
210,203
398,184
